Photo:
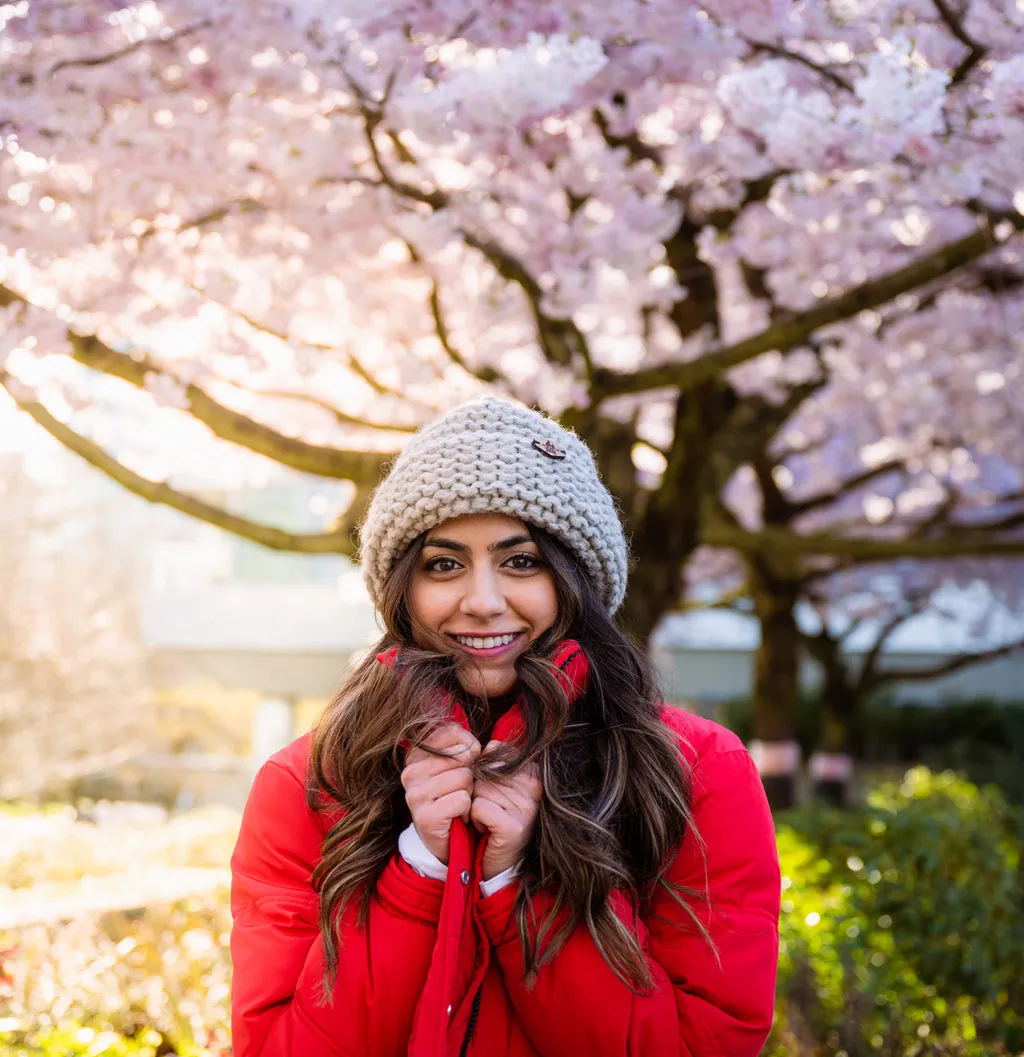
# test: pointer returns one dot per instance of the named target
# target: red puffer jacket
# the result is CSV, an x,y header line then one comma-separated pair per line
x,y
437,971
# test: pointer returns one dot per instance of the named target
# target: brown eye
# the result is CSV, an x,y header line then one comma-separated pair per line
x,y
524,562
441,565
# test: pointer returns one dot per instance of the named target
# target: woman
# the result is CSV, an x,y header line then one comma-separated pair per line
x,y
497,842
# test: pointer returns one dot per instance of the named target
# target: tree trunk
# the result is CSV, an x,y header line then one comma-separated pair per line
x,y
776,686
655,586
664,525
842,691
831,765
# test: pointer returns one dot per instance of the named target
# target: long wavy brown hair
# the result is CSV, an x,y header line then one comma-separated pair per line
x,y
616,792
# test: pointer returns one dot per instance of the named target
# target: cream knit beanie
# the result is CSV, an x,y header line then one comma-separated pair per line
x,y
494,457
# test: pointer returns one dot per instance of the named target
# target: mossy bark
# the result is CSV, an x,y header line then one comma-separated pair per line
x,y
776,673
840,702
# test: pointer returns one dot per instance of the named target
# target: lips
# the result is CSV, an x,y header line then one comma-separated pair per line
x,y
487,645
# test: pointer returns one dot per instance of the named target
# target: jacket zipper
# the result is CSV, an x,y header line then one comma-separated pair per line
x,y
473,1013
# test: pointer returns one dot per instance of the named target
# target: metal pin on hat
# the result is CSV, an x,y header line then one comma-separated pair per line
x,y
549,448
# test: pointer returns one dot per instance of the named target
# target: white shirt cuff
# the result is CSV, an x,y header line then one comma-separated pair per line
x,y
419,856
427,864
499,881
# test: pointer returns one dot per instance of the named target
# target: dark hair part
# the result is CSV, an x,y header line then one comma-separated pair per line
x,y
616,800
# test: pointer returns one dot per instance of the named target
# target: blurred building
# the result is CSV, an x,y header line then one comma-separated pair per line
x,y
708,657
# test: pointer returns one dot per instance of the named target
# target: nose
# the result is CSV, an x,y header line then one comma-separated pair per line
x,y
484,597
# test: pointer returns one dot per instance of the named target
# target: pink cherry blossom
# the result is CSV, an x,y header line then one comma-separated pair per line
x,y
384,208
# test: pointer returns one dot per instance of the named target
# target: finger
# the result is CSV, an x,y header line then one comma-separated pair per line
x,y
487,815
524,784
457,804
496,793
424,768
524,789
492,747
423,765
449,736
450,742
528,777
459,755
517,805
520,798
433,787
530,782
507,829
448,781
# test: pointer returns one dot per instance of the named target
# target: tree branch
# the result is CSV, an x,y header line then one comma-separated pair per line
x,y
212,216
763,47
859,548
637,149
753,191
893,675
851,484
796,329
356,466
233,426
343,418
560,339
866,679
752,424
975,51
1003,522
484,374
352,361
372,117
339,541
776,508
735,600
162,42
698,307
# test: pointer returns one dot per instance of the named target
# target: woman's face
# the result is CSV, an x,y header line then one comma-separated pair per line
x,y
481,582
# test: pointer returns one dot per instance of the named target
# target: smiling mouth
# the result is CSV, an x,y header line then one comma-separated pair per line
x,y
486,642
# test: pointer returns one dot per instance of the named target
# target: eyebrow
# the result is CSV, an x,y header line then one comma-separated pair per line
x,y
499,545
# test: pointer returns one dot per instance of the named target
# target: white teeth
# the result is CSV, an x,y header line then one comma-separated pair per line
x,y
488,643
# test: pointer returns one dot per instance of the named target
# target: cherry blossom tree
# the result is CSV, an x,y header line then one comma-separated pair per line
x,y
848,617
867,609
302,229
956,471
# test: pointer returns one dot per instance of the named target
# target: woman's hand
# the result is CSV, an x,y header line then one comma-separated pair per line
x,y
506,810
440,788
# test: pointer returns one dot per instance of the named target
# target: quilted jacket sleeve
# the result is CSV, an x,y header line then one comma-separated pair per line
x,y
702,1007
277,952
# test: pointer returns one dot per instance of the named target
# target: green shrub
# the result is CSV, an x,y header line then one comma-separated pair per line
x,y
141,983
73,1040
905,732
902,935
903,922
